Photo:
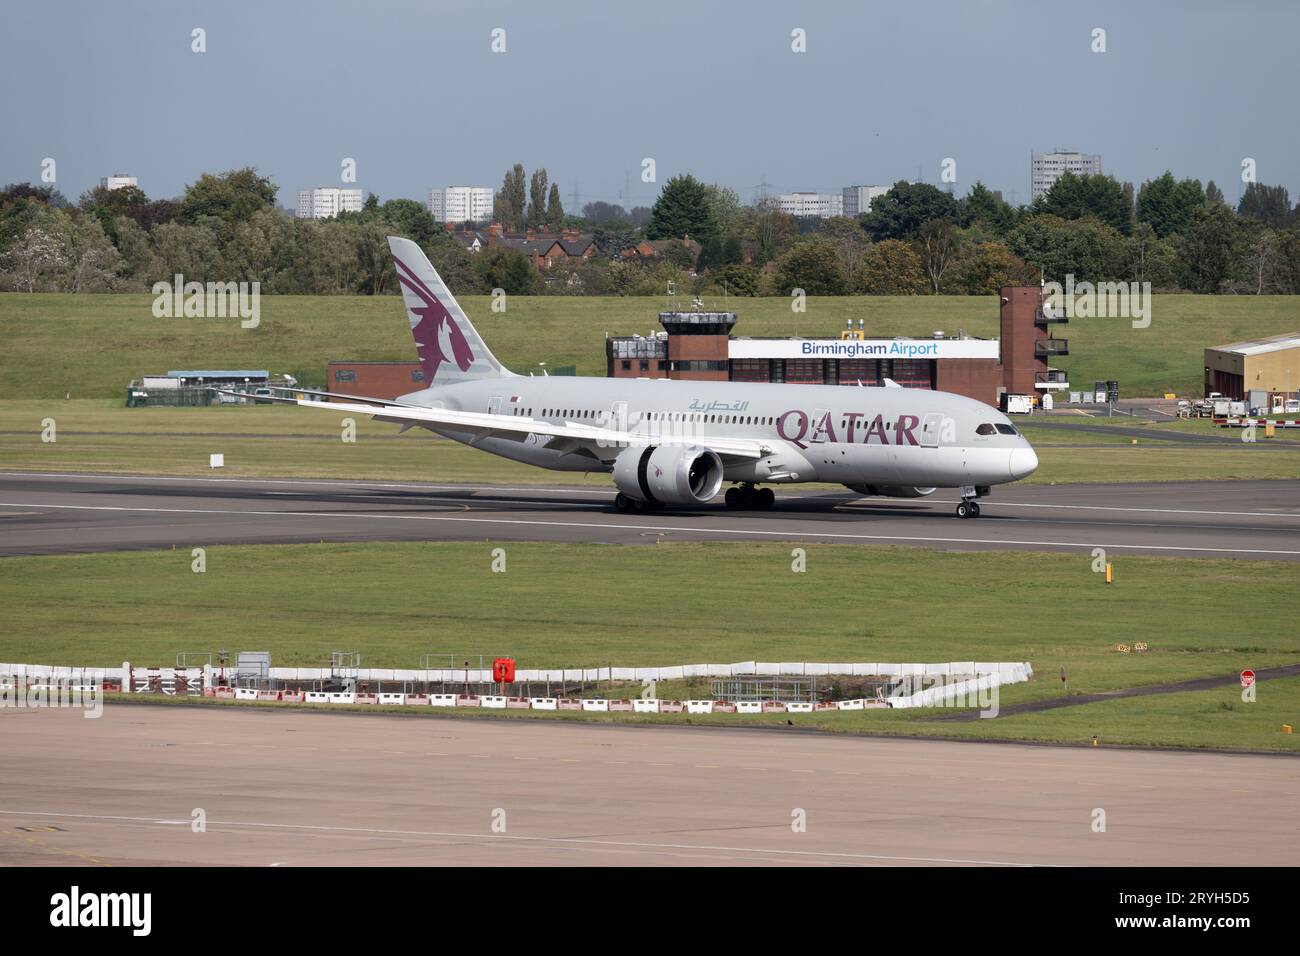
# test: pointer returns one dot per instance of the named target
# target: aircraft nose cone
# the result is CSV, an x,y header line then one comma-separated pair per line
x,y
1024,462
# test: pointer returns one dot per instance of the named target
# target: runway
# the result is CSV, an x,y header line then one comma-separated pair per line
x,y
64,513
300,789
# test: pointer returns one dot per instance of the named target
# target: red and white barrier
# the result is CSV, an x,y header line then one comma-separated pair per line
x,y
942,684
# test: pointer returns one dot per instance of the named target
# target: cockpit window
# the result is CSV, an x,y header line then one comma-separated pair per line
x,y
986,429
1007,429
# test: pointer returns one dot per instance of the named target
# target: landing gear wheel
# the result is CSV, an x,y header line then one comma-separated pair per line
x,y
966,510
748,498
732,498
765,498
622,502
975,509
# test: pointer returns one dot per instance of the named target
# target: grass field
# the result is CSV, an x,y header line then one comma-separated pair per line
x,y
270,441
593,605
91,345
568,605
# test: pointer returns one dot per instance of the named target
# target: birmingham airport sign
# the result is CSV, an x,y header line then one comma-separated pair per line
x,y
864,348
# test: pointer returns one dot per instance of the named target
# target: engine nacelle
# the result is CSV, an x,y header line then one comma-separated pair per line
x,y
670,474
891,491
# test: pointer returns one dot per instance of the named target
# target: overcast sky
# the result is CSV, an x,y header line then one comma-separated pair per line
x,y
413,92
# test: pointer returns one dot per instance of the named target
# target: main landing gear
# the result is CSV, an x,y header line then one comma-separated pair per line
x,y
969,507
626,503
748,498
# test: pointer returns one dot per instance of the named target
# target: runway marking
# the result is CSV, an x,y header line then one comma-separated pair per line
x,y
602,492
328,482
804,533
1160,511
574,841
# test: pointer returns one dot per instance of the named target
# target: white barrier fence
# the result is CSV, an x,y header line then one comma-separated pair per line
x,y
954,682
1008,672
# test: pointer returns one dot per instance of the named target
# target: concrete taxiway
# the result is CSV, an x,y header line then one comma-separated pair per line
x,y
300,789
54,513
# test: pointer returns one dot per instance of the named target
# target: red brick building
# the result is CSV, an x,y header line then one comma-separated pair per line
x,y
544,250
374,379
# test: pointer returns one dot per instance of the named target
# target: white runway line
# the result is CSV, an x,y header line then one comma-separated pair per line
x,y
1154,511
602,492
572,841
801,533
309,482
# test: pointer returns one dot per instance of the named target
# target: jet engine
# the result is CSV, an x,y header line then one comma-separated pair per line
x,y
891,491
668,474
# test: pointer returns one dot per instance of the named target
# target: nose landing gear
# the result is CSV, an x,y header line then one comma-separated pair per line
x,y
969,507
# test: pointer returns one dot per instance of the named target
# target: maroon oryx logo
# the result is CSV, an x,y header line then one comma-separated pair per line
x,y
433,316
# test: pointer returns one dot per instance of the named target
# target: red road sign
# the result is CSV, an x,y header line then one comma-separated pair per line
x,y
1247,678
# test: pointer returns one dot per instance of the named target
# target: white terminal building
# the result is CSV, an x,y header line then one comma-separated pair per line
x,y
811,205
118,181
326,202
461,203
857,199
1046,168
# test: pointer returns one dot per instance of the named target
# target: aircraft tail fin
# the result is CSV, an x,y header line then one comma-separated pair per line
x,y
449,347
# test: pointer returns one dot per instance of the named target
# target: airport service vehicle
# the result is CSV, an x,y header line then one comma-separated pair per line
x,y
675,443
1014,403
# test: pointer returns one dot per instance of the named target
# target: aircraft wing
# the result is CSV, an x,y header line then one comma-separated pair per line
x,y
604,443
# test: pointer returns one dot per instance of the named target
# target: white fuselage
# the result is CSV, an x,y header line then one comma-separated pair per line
x,y
844,434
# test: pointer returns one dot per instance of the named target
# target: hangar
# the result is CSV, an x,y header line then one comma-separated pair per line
x,y
701,346
1269,365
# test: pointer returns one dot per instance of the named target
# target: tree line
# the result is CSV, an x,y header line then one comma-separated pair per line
x,y
916,240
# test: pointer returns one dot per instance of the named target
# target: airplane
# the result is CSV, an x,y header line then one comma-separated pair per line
x,y
675,443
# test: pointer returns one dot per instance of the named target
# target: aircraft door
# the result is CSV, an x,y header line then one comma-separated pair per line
x,y
618,417
930,426
494,405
